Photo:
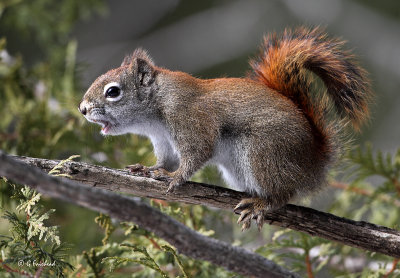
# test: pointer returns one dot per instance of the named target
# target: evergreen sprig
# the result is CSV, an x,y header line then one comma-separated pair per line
x,y
56,171
29,246
145,260
366,164
295,247
105,223
95,262
171,250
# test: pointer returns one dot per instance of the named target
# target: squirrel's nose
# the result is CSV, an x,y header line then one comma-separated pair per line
x,y
81,109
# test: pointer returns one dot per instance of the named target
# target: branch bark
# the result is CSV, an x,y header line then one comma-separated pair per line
x,y
124,208
316,223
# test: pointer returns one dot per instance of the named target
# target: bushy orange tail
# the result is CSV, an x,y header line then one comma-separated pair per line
x,y
284,61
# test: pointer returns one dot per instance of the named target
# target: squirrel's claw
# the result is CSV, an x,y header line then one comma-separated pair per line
x,y
139,169
174,184
156,173
245,219
161,174
135,167
171,188
244,204
164,175
251,208
260,221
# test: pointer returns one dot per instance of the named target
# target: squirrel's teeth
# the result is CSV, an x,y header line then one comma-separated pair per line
x,y
106,127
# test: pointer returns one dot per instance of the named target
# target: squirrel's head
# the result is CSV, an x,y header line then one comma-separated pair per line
x,y
122,97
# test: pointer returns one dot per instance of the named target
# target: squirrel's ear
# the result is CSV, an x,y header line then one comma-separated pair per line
x,y
144,72
127,60
138,53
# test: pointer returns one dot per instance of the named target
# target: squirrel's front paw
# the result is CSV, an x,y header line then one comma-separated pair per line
x,y
161,174
138,169
252,208
173,185
164,175
176,182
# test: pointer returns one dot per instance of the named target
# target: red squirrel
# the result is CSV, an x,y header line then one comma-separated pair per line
x,y
266,133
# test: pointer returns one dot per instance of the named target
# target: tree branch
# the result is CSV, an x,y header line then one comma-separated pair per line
x,y
316,223
124,208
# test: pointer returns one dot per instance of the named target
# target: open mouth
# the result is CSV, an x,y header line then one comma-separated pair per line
x,y
105,126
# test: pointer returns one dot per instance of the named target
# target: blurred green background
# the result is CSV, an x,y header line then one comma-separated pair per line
x,y
51,51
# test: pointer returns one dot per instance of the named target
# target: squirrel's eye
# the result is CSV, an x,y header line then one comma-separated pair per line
x,y
112,91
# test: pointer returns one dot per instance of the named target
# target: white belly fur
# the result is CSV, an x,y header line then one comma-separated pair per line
x,y
231,161
234,165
